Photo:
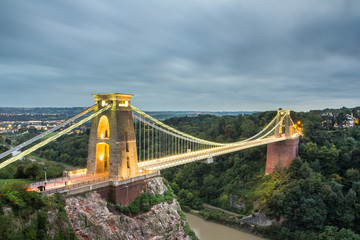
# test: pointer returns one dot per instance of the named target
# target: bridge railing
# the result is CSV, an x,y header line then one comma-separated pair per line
x,y
49,181
52,191
76,185
88,182
137,178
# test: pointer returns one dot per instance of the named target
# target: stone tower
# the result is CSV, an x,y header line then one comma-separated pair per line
x,y
112,142
282,153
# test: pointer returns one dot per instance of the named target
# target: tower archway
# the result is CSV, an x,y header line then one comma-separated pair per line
x,y
103,128
102,157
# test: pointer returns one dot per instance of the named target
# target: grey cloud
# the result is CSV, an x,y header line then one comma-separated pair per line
x,y
188,55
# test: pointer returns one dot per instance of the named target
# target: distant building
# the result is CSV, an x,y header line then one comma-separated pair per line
x,y
351,121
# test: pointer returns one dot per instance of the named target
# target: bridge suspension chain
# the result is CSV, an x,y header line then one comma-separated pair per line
x,y
52,138
171,129
153,141
198,155
34,139
153,137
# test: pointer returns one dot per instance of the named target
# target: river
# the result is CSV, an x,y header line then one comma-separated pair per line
x,y
206,230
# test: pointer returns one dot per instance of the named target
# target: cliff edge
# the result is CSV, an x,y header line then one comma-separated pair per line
x,y
94,218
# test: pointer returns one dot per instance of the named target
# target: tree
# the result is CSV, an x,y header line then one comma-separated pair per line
x,y
329,159
309,151
20,171
32,170
229,132
340,119
3,149
348,216
248,128
65,158
355,158
8,141
333,233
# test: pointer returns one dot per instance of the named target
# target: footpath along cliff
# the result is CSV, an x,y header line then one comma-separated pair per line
x,y
155,214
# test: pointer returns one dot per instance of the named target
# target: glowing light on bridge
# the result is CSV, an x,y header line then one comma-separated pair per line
x,y
160,146
77,172
123,103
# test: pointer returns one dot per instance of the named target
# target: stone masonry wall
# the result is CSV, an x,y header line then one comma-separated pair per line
x,y
281,153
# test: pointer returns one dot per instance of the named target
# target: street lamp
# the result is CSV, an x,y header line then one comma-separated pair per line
x,y
45,174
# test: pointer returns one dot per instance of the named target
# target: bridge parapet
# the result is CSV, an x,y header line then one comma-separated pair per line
x,y
119,192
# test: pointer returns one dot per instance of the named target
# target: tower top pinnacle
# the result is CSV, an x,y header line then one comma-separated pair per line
x,y
113,96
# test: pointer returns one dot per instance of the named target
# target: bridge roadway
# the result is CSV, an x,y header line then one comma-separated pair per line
x,y
172,161
67,183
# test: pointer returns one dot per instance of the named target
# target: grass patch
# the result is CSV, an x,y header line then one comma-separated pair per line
x,y
10,181
67,167
219,217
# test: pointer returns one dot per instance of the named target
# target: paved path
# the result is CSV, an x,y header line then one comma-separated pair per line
x,y
221,210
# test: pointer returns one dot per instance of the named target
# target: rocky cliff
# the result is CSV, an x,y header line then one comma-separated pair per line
x,y
93,218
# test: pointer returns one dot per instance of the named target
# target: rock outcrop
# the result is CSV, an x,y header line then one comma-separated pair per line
x,y
92,219
235,202
259,219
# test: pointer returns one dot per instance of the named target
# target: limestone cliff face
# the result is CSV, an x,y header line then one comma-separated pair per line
x,y
92,219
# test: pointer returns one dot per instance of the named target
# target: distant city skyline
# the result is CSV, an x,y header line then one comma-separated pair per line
x,y
221,55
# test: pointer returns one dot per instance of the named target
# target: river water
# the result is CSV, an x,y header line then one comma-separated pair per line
x,y
206,230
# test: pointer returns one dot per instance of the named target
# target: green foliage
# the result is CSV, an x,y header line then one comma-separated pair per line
x,y
70,149
182,215
321,188
190,232
27,218
333,233
13,185
219,217
32,170
143,203
8,228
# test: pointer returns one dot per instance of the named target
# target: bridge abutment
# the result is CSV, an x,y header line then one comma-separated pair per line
x,y
122,194
281,154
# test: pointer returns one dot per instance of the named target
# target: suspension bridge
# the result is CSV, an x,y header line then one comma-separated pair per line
x,y
126,143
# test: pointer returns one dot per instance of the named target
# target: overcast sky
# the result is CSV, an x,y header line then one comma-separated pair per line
x,y
181,55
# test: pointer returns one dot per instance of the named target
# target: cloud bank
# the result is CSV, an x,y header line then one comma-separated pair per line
x,y
181,55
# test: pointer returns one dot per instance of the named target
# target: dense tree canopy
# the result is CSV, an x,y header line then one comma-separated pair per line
x,y
317,197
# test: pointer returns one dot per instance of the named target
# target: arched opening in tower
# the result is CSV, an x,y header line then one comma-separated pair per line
x,y
103,128
102,157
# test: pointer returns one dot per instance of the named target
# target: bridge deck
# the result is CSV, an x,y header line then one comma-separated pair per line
x,y
91,182
162,163
87,184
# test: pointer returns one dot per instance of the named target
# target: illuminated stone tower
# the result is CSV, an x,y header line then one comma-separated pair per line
x,y
112,142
